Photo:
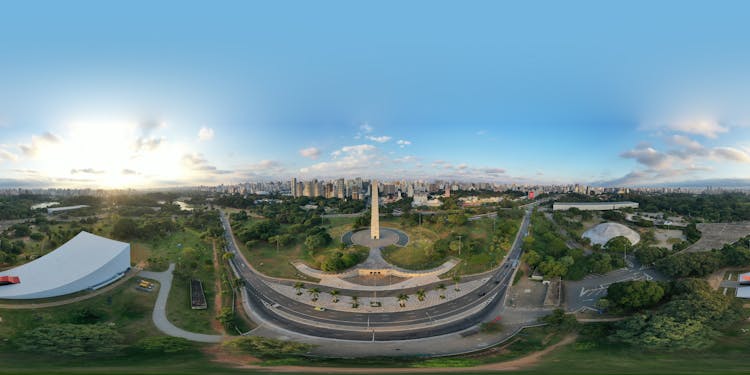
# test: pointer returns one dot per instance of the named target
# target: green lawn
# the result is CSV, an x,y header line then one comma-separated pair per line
x,y
124,306
273,261
418,253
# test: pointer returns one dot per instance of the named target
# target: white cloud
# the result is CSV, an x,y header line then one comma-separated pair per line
x,y
147,144
403,143
703,126
732,154
648,156
7,155
86,171
493,170
686,142
197,163
310,152
37,142
205,134
347,160
366,128
381,139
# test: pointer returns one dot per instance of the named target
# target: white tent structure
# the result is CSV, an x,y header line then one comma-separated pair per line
x,y
87,261
602,233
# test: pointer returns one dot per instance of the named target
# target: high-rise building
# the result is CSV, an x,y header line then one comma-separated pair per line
x,y
340,190
293,187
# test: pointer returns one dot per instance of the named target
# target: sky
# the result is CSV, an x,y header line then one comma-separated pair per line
x,y
148,94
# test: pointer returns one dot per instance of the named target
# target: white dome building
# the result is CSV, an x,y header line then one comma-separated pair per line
x,y
602,233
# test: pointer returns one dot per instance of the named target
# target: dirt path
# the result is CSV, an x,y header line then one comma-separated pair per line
x,y
512,365
215,324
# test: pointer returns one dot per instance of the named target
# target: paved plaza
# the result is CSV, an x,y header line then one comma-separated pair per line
x,y
388,304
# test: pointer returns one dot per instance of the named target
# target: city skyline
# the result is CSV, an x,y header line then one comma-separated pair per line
x,y
222,96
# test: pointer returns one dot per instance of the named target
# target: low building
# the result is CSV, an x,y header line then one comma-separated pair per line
x,y
53,210
593,206
86,262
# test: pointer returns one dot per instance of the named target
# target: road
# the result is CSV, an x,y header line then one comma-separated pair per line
x,y
303,318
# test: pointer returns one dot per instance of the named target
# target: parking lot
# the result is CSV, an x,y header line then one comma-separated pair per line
x,y
582,295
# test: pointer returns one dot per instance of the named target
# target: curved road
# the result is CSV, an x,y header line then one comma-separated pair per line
x,y
362,326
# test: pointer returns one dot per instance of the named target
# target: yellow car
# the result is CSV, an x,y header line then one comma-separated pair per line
x,y
319,308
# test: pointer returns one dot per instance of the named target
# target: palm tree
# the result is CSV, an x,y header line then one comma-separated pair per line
x,y
456,279
421,295
441,288
402,298
299,286
314,293
334,294
355,302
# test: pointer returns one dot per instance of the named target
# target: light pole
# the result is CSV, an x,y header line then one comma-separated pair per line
x,y
459,244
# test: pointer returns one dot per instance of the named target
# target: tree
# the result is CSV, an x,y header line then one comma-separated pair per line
x,y
71,340
164,345
421,295
225,316
314,293
125,228
618,245
441,288
456,279
298,286
663,332
334,295
635,294
402,298
355,302
532,258
266,347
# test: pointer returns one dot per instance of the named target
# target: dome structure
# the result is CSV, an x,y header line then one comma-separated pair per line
x,y
602,233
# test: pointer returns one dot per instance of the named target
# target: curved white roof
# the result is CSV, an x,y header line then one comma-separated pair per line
x,y
85,261
604,232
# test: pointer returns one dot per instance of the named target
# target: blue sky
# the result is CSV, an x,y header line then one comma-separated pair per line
x,y
591,92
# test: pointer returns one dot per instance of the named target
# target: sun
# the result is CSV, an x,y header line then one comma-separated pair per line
x,y
111,155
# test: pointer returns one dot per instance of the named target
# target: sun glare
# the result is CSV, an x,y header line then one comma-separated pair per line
x,y
111,155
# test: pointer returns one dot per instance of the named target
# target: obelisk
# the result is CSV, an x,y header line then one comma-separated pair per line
x,y
375,215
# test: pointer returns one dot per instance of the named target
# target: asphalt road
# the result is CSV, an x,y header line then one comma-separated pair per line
x,y
263,298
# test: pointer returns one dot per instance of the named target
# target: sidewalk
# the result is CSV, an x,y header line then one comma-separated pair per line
x,y
160,309
389,304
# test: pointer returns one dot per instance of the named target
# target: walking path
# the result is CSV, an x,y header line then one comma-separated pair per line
x,y
160,309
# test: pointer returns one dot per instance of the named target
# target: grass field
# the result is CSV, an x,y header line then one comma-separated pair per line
x,y
418,253
728,356
125,306
273,261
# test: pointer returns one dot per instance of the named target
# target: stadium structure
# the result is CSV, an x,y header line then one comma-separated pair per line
x,y
602,233
86,262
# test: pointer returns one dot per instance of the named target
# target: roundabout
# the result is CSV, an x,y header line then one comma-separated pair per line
x,y
365,307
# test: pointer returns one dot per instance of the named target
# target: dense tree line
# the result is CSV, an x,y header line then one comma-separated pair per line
x,y
690,319
711,207
547,250
703,263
